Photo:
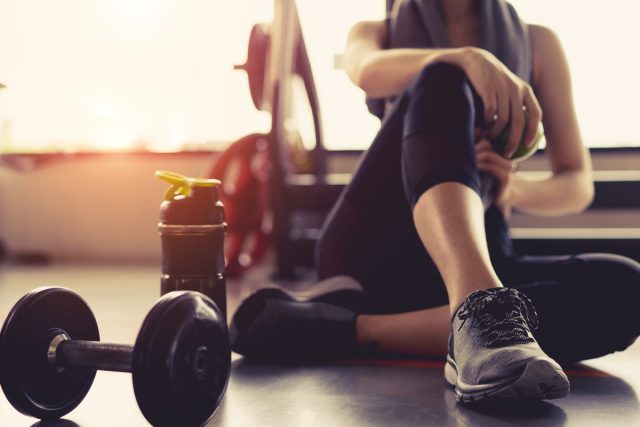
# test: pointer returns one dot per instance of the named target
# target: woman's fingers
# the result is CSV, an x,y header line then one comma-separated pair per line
x,y
478,134
490,102
491,156
488,160
516,123
533,116
495,165
504,96
483,144
501,116
495,171
511,106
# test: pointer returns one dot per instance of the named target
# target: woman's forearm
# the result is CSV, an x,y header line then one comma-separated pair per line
x,y
562,193
388,72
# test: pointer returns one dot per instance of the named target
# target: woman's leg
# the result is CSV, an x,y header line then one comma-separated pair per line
x,y
369,233
586,303
448,218
420,332
424,157
442,189
490,352
442,182
586,306
369,236
425,332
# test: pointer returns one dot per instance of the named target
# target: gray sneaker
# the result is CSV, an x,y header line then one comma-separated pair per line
x,y
493,355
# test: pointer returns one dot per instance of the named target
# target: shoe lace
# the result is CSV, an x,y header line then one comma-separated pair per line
x,y
504,316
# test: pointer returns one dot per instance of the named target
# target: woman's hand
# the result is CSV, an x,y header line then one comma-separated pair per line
x,y
501,169
504,96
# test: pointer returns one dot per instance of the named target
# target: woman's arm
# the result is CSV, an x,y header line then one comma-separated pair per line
x,y
570,187
383,73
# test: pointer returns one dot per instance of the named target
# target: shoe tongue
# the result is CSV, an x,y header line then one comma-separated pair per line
x,y
499,309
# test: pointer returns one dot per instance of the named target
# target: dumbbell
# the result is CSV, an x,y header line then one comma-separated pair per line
x,y
180,363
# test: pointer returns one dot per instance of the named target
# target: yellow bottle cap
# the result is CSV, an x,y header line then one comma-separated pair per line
x,y
182,185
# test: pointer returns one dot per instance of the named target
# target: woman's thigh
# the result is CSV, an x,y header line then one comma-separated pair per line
x,y
389,260
369,234
586,303
382,251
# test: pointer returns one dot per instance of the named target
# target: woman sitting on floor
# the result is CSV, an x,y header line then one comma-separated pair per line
x,y
415,257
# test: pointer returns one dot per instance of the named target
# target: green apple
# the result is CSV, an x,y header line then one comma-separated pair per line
x,y
522,152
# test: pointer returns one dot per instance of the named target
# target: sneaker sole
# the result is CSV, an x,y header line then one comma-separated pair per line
x,y
540,380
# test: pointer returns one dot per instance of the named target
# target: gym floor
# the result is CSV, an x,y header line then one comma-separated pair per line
x,y
350,393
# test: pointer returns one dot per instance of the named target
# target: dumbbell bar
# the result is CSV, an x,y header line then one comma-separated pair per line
x,y
180,363
65,352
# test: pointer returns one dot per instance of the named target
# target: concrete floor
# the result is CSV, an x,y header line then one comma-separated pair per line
x,y
351,393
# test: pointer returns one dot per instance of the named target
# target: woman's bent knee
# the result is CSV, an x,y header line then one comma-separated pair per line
x,y
440,101
438,139
611,270
436,75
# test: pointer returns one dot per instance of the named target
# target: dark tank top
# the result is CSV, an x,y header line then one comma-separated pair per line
x,y
420,24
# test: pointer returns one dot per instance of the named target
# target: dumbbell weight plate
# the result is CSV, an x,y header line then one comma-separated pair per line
x,y
257,62
181,360
29,381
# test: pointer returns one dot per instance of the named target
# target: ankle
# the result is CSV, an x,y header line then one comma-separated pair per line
x,y
363,336
457,298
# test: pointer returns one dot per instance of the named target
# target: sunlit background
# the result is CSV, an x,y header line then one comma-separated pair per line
x,y
158,74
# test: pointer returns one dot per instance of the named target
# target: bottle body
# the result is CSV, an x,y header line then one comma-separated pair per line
x,y
193,260
192,228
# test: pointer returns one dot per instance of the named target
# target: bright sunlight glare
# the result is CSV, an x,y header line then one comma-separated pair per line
x,y
158,74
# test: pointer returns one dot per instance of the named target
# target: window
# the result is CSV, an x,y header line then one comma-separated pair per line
x,y
125,74
157,74
347,124
600,42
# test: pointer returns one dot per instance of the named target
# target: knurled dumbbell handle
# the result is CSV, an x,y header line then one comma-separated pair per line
x,y
94,355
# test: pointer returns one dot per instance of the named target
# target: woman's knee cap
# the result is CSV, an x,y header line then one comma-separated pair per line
x,y
440,100
442,84
435,76
619,272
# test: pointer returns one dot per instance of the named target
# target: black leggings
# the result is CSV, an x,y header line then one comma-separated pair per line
x,y
586,303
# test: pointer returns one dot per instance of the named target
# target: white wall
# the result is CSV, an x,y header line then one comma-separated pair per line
x,y
102,207
105,207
